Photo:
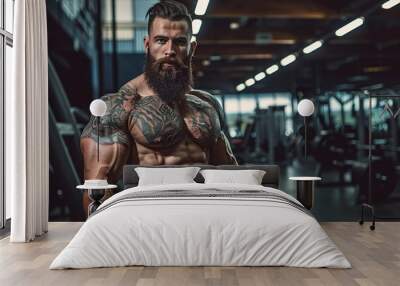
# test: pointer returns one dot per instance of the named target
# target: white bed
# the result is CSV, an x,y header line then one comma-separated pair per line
x,y
201,224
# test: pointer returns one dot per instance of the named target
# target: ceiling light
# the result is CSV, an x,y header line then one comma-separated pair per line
x,y
389,4
250,82
272,69
288,60
350,27
196,24
215,58
375,69
373,87
193,39
206,63
234,25
201,7
260,76
240,87
312,47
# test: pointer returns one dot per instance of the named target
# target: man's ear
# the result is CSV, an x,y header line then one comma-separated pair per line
x,y
193,46
146,43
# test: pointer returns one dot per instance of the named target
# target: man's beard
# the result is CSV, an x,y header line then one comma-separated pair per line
x,y
168,82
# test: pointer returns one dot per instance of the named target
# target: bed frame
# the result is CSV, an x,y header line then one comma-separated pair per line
x,y
270,179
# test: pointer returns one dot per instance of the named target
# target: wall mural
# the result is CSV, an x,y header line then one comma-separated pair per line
x,y
172,99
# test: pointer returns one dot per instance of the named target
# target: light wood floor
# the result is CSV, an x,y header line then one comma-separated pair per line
x,y
375,257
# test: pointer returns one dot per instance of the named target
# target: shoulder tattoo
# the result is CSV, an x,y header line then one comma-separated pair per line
x,y
113,126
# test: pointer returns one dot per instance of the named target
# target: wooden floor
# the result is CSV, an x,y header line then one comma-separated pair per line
x,y
375,257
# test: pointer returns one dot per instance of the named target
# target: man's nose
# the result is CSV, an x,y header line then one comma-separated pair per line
x,y
170,49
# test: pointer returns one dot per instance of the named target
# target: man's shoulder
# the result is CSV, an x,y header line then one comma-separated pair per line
x,y
126,95
132,88
212,100
202,94
208,97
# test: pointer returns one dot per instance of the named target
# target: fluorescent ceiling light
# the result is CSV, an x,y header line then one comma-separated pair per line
x,y
196,24
260,76
206,63
201,7
240,87
288,60
312,47
193,39
234,25
350,27
389,4
272,69
250,82
215,58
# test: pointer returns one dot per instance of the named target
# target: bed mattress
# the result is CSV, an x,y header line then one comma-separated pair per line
x,y
201,225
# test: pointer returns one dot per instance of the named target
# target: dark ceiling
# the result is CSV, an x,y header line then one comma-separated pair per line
x,y
270,30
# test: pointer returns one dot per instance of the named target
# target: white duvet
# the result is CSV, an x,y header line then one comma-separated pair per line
x,y
207,230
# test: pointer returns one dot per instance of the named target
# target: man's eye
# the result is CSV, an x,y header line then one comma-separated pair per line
x,y
182,42
161,41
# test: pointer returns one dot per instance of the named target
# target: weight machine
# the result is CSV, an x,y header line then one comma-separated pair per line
x,y
369,204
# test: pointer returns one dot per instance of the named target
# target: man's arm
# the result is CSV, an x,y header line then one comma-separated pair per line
x,y
115,142
221,152
113,154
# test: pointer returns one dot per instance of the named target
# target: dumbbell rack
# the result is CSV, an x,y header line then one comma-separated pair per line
x,y
369,204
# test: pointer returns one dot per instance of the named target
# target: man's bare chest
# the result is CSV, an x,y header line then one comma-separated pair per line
x,y
156,124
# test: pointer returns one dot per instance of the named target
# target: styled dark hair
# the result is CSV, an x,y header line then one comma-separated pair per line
x,y
171,10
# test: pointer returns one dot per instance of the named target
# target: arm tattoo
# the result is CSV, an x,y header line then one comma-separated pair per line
x,y
113,127
202,120
228,149
221,148
209,98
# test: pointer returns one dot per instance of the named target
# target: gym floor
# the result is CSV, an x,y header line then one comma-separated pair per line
x,y
336,202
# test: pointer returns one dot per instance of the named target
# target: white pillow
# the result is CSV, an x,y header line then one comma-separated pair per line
x,y
162,176
248,177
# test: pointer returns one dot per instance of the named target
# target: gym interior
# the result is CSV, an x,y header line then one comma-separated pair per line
x,y
260,59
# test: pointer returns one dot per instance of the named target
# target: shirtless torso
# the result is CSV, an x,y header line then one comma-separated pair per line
x,y
139,128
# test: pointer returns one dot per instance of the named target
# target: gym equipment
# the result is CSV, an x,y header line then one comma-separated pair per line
x,y
243,146
331,148
384,179
64,153
270,127
263,138
63,199
373,173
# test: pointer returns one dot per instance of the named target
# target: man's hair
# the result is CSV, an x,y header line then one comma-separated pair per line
x,y
171,10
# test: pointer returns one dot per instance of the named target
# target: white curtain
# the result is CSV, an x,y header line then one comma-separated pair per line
x,y
27,159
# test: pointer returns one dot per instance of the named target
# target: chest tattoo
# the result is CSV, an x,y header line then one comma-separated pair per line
x,y
155,123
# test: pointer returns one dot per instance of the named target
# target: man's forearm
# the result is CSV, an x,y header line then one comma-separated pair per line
x,y
109,166
111,160
221,153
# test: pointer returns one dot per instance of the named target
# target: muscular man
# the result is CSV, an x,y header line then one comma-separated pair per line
x,y
157,118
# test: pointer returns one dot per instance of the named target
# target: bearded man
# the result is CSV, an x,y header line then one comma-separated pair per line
x,y
157,118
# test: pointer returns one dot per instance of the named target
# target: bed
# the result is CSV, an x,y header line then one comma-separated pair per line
x,y
198,224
